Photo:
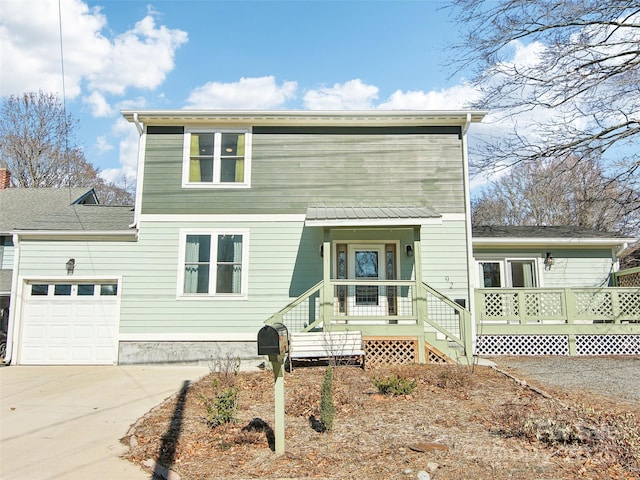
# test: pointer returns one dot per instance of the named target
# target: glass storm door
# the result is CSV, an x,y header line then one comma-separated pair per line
x,y
367,263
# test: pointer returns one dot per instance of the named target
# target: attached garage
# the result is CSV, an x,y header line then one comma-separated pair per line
x,y
69,323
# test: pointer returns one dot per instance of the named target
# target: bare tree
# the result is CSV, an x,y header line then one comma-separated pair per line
x,y
569,191
579,92
36,145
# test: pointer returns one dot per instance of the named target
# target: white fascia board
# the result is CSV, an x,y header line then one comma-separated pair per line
x,y
148,217
126,235
307,117
187,337
582,242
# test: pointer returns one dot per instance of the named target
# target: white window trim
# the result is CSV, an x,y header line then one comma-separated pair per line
x,y
186,152
244,284
504,271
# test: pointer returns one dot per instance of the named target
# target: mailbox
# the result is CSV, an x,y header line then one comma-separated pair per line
x,y
273,340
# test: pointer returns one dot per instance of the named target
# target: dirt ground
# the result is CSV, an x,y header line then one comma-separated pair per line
x,y
458,423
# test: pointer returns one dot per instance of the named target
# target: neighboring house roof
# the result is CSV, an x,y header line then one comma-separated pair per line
x,y
551,235
82,218
352,216
23,205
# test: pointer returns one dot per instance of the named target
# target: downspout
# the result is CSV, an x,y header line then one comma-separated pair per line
x,y
139,173
470,330
15,300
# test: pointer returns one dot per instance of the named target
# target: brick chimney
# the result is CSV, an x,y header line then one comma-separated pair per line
x,y
5,178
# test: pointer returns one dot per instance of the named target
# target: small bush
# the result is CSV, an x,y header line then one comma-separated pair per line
x,y
327,408
223,408
395,385
453,376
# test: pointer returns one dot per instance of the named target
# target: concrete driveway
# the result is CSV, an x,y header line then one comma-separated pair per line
x,y
66,422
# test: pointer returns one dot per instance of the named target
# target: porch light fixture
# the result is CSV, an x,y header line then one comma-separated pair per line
x,y
409,249
548,261
71,265
322,250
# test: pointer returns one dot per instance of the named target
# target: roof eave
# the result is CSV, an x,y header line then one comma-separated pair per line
x,y
125,235
584,242
306,117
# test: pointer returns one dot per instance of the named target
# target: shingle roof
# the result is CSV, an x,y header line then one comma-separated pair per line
x,y
84,218
19,206
491,231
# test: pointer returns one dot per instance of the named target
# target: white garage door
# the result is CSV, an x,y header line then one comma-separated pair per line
x,y
69,323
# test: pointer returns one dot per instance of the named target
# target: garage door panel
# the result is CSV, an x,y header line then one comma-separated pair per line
x,y
69,329
58,333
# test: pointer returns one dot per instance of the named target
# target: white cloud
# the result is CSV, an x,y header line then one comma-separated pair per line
x,y
351,95
128,140
247,93
139,58
98,105
103,145
31,52
454,98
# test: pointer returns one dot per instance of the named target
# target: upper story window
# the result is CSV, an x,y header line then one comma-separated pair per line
x,y
217,158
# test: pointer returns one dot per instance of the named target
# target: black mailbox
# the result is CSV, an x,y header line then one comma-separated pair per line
x,y
273,339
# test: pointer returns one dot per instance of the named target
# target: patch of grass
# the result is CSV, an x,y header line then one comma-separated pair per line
x,y
394,385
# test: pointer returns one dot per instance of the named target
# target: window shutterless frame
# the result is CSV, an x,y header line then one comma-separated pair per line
x,y
216,158
213,264
508,272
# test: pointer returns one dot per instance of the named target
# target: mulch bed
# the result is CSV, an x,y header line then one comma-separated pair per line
x,y
459,423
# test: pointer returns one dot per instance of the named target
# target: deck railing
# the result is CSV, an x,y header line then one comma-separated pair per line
x,y
530,306
383,303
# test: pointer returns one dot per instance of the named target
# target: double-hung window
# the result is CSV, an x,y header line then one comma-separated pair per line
x,y
217,158
213,264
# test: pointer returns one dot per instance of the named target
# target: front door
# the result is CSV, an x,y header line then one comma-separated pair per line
x,y
367,264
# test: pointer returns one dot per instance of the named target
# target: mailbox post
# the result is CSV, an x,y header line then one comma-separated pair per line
x,y
273,340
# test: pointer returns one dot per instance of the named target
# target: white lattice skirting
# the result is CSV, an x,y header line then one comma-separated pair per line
x,y
607,344
558,345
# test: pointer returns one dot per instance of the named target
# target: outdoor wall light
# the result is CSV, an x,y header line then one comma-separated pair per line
x,y
71,265
409,249
322,250
548,261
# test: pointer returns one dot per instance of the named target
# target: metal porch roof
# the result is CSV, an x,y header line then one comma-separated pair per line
x,y
368,216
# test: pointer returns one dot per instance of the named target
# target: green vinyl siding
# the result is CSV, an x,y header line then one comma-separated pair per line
x,y
579,268
290,172
151,303
107,259
572,268
444,258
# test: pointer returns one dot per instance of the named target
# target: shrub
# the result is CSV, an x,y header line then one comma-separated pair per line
x,y
395,385
223,408
327,408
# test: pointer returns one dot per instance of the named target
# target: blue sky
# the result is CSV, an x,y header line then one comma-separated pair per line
x,y
225,55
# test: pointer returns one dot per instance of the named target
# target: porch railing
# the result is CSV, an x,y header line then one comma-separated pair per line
x,y
373,304
557,305
303,314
